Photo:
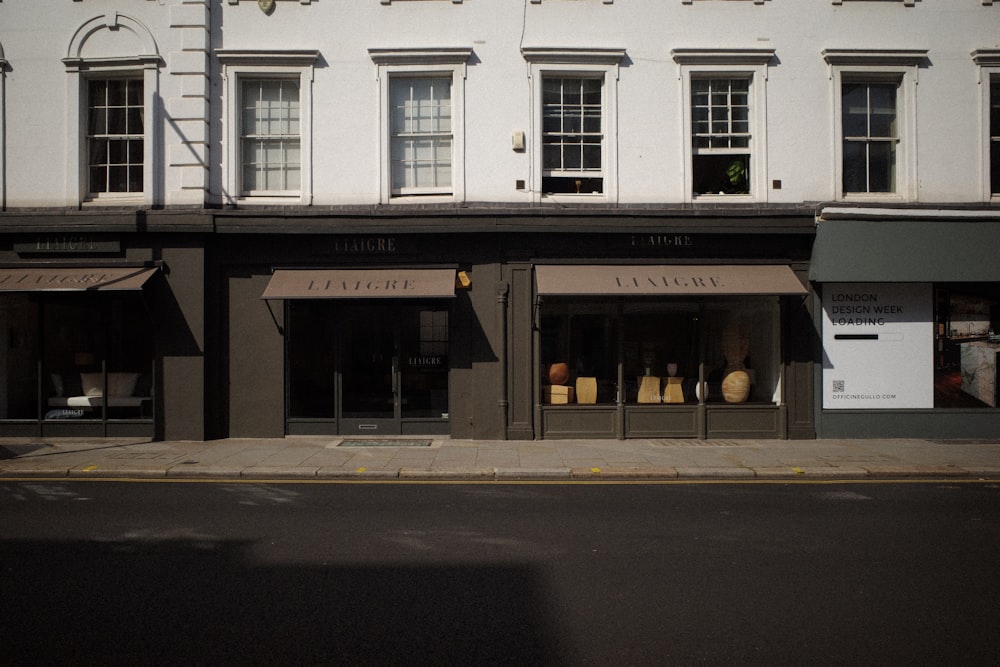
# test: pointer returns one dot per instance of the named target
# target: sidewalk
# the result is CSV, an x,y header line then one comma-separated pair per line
x,y
442,459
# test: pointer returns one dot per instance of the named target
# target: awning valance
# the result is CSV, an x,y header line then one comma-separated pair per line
x,y
906,251
667,280
360,284
63,279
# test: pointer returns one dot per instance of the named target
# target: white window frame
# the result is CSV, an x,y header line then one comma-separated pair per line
x,y
396,134
245,135
417,63
3,129
89,158
906,3
569,63
240,65
878,66
79,70
988,61
750,63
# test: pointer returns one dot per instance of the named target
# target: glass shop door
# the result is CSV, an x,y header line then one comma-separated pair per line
x,y
393,369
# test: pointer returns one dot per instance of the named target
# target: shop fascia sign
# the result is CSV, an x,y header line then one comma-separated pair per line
x,y
67,244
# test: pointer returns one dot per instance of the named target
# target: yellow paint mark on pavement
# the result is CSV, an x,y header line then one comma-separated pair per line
x,y
798,471
90,468
596,471
362,470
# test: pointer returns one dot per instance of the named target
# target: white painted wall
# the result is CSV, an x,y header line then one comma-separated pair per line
x,y
800,94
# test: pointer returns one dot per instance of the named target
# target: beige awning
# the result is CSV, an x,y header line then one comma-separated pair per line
x,y
62,279
360,283
679,280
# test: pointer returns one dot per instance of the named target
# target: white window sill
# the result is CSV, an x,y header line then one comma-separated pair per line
x,y
130,199
723,198
422,199
269,200
873,197
563,198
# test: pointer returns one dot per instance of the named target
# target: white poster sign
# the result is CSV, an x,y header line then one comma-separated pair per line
x,y
878,346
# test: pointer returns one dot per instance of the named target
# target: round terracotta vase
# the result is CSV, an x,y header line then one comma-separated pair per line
x,y
559,373
736,386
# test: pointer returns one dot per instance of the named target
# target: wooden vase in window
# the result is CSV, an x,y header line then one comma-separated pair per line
x,y
736,380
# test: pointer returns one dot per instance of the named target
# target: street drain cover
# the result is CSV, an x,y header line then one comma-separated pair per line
x,y
386,443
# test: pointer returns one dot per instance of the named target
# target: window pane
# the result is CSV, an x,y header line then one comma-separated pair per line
x,y
99,179
118,179
116,121
883,110
592,157
882,166
551,157
855,110
994,167
98,122
116,93
855,166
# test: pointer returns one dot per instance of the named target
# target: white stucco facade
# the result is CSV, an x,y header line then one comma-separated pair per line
x,y
941,51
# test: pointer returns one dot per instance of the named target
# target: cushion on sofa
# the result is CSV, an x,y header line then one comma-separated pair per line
x,y
119,384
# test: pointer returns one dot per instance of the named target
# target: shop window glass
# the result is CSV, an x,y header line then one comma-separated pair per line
x,y
665,347
967,345
585,339
311,369
78,358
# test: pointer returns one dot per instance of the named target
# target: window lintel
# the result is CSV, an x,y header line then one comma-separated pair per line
x,y
573,55
986,57
445,55
113,63
744,57
875,57
286,57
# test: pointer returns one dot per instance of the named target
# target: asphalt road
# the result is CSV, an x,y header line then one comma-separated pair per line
x,y
527,574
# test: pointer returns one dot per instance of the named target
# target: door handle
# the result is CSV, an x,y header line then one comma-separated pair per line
x,y
395,375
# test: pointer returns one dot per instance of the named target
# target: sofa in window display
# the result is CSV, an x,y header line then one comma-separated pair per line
x,y
74,394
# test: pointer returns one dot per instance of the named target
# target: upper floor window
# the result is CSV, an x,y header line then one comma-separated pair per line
x,y
994,149
115,136
267,120
870,134
725,121
574,95
572,135
270,140
988,61
422,146
875,107
111,115
422,140
720,132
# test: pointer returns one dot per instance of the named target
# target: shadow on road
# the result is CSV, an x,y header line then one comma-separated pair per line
x,y
187,602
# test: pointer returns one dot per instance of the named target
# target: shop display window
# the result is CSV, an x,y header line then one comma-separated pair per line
x,y
967,344
658,351
76,358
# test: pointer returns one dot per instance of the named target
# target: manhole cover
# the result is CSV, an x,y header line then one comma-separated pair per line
x,y
386,443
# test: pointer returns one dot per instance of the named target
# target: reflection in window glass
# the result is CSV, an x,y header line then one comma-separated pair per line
x,y
94,356
967,322
665,347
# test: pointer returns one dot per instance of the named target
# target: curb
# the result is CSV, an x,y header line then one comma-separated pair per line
x,y
578,474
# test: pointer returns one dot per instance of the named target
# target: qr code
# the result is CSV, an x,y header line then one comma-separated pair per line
x,y
838,386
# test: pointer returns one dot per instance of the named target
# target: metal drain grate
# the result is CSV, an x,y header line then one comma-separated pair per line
x,y
386,443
